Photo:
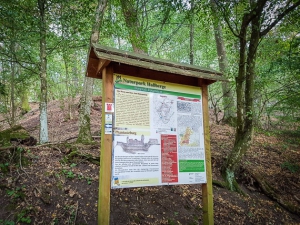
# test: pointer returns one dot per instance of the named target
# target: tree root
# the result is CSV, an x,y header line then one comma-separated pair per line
x,y
268,190
8,148
230,182
69,154
88,157
221,184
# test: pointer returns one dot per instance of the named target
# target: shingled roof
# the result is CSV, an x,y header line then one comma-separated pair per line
x,y
102,56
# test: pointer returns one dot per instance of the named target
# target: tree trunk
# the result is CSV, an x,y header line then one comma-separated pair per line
x,y
85,135
24,102
43,74
192,34
67,82
228,100
65,54
137,37
244,130
12,88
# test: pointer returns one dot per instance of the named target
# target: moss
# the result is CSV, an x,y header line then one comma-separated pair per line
x,y
85,135
16,132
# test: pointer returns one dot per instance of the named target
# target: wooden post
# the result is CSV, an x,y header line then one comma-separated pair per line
x,y
207,195
106,152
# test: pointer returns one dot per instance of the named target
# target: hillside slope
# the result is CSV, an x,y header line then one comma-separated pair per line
x,y
58,183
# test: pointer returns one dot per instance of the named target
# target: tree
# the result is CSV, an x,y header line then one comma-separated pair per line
x,y
192,29
85,135
14,43
228,101
43,72
279,94
136,37
256,19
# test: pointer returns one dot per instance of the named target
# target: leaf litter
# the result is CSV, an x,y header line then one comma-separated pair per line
x,y
52,188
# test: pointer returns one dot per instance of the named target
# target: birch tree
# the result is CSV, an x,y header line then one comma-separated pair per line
x,y
43,72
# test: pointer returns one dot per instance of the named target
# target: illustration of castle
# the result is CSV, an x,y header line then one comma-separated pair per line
x,y
133,145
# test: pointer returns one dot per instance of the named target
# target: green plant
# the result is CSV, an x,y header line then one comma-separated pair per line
x,y
4,167
285,147
73,165
16,193
21,217
70,174
20,149
292,167
171,222
89,180
7,222
55,221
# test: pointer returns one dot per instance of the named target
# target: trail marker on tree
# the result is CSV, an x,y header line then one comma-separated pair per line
x,y
155,124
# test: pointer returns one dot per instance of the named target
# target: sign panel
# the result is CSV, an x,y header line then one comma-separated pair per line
x,y
158,134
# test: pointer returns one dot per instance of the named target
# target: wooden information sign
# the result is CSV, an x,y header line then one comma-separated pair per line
x,y
155,124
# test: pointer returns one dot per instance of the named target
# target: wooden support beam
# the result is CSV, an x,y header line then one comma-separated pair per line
x,y
102,63
106,151
207,194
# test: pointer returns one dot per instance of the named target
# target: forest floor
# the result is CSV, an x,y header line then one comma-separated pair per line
x,y
57,183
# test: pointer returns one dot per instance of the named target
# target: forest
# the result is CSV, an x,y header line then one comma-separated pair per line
x,y
50,111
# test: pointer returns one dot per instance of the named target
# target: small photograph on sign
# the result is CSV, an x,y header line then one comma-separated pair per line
x,y
109,107
108,118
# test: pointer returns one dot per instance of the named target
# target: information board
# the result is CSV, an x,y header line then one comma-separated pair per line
x,y
158,136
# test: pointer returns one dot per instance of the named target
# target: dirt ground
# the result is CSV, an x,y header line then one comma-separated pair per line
x,y
57,183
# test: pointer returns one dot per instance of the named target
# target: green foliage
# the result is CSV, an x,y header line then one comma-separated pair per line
x,y
68,174
278,83
2,89
73,165
4,167
16,193
171,222
89,180
292,167
7,222
23,218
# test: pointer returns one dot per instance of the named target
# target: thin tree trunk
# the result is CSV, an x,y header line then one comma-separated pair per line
x,y
192,34
67,82
243,138
12,88
228,100
66,61
24,102
43,74
85,135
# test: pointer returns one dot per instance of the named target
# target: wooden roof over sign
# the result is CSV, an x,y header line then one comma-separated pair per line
x,y
125,62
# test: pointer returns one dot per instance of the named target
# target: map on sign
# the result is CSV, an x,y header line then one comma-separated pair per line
x,y
164,111
189,122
